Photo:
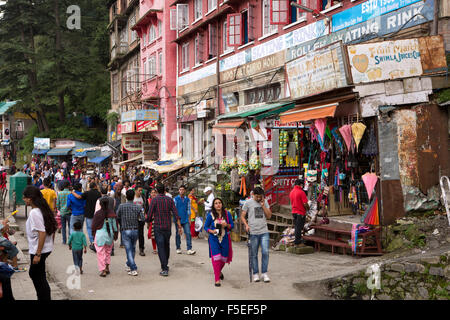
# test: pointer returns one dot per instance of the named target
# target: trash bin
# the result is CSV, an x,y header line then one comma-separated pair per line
x,y
17,184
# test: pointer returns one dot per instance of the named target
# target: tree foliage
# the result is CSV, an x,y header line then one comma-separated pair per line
x,y
55,71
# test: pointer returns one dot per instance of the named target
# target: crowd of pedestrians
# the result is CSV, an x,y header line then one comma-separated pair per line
x,y
114,208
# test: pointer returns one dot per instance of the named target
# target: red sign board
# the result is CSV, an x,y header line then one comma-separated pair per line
x,y
278,188
144,126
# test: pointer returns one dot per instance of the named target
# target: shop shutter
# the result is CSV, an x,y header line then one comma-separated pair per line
x,y
279,11
234,32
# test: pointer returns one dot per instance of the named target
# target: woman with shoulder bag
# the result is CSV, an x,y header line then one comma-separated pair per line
x,y
40,228
105,232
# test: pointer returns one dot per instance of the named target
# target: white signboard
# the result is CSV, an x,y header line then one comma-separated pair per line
x,y
317,72
385,60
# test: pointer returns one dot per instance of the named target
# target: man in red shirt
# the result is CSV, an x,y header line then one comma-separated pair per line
x,y
299,203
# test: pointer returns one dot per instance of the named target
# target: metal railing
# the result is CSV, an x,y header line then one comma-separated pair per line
x,y
182,170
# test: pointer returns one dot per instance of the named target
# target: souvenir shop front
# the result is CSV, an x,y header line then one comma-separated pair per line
x,y
331,147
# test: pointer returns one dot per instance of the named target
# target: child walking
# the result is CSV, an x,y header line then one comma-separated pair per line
x,y
77,241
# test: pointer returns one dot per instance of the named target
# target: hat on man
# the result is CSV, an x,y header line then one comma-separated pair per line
x,y
207,189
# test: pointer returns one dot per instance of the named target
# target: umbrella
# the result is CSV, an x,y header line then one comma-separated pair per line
x,y
370,180
250,267
371,216
346,132
320,124
358,132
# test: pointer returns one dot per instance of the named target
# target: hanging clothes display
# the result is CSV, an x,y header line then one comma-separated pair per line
x,y
370,147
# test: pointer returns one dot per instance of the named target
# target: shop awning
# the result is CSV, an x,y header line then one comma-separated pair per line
x,y
4,106
309,113
165,166
99,159
257,110
228,127
136,158
275,112
59,152
80,154
40,151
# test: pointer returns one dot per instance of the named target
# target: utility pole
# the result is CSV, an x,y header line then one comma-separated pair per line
x,y
435,25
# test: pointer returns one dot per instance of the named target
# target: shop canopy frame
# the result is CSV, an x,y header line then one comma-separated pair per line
x,y
99,160
136,158
40,151
314,110
59,152
255,111
227,127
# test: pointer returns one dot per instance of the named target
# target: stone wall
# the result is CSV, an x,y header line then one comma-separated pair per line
x,y
422,278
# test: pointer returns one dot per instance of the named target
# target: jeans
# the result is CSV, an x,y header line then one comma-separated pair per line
x,y
89,229
187,231
257,240
299,223
74,219
129,240
141,235
39,277
77,258
65,222
162,238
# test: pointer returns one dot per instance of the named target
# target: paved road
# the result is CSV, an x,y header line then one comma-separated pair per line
x,y
191,277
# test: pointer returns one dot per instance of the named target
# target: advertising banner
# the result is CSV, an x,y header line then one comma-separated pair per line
x,y
41,143
144,126
317,72
139,115
131,143
385,60
365,11
127,127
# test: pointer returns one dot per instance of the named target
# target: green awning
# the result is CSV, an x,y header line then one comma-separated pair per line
x,y
252,112
275,112
4,106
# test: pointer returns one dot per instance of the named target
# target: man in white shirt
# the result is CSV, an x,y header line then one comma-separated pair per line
x,y
209,200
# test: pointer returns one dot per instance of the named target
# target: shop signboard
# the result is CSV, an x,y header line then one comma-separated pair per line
x,y
63,144
406,17
149,147
202,108
385,60
144,126
278,189
229,100
139,115
318,71
365,11
41,143
127,127
131,143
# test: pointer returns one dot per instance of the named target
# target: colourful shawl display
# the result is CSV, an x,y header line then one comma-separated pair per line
x,y
371,216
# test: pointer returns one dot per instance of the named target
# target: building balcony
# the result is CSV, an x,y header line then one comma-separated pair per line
x,y
122,20
119,51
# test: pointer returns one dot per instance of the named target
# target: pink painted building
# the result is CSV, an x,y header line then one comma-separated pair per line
x,y
158,70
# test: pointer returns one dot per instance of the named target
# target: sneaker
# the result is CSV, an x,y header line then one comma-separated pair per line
x,y
265,277
256,278
179,251
128,269
133,273
191,252
164,273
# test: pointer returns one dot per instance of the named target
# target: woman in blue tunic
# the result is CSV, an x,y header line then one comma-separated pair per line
x,y
219,224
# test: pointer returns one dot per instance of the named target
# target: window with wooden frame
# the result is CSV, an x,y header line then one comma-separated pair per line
x,y
115,87
212,41
182,16
152,66
173,19
279,11
159,28
225,47
151,34
212,4
240,27
297,14
198,9
185,57
198,49
267,27
145,75
160,62
234,29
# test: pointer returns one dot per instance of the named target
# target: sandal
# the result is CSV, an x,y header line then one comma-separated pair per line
x,y
103,274
217,284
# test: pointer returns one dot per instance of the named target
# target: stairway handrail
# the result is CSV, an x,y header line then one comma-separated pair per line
x,y
182,170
